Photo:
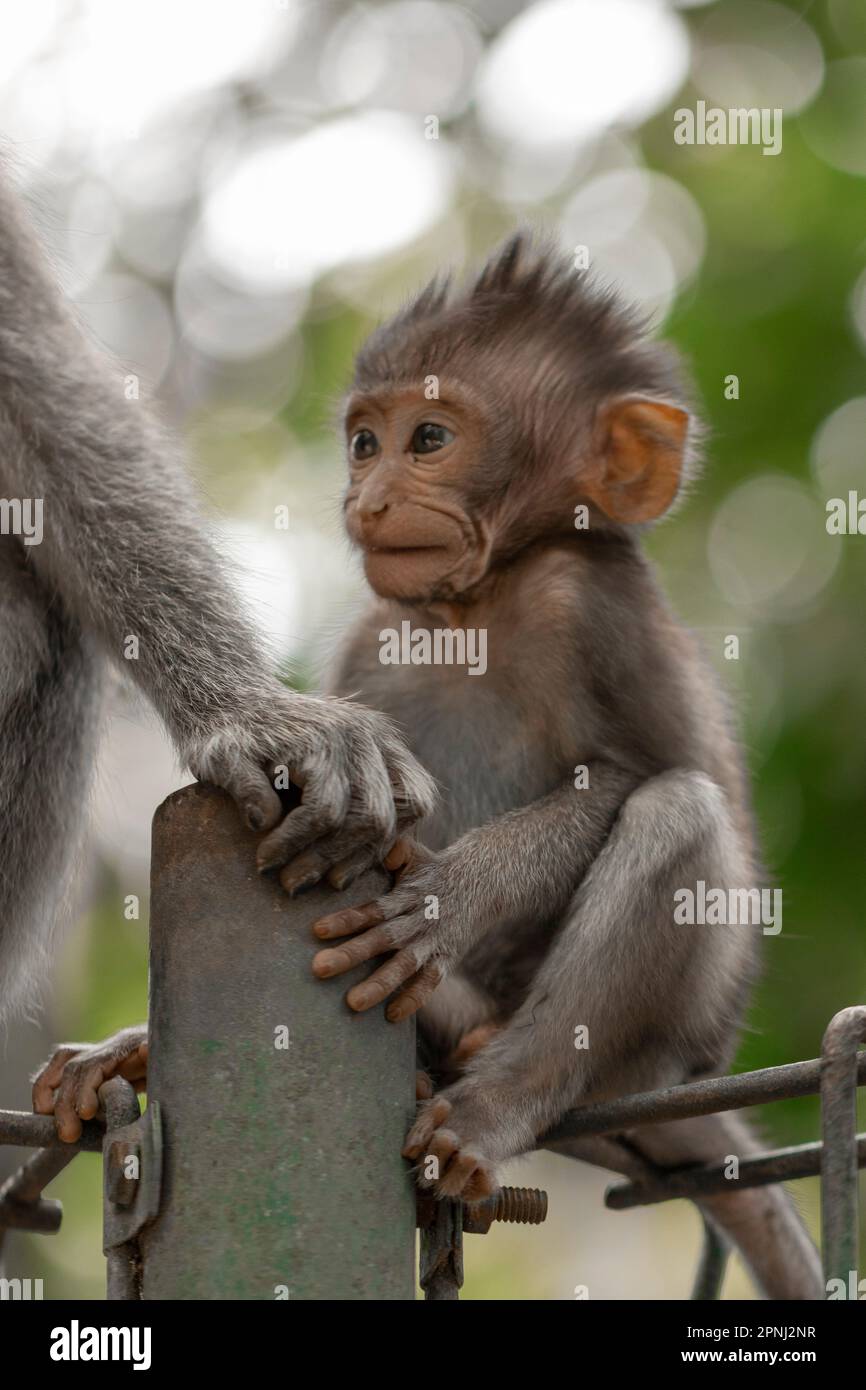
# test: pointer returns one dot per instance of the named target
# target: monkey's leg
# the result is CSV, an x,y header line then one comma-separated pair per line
x,y
628,1000
625,1000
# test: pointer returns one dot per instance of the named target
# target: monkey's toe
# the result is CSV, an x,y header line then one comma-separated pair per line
x,y
453,1169
468,1176
449,1164
472,1042
433,1114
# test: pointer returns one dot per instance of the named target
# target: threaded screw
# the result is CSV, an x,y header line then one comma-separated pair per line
x,y
524,1205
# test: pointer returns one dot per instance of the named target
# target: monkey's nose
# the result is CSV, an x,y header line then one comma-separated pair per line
x,y
371,508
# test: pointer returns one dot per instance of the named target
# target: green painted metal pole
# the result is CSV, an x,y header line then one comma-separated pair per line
x,y
283,1112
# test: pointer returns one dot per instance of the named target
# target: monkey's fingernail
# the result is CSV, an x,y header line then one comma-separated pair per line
x,y
255,819
325,964
293,886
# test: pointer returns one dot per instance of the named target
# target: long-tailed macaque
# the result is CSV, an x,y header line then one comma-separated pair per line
x,y
507,445
103,554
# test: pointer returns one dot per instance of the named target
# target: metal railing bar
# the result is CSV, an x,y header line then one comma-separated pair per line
x,y
781,1165
713,1263
19,1127
709,1097
29,1181
441,1252
840,1070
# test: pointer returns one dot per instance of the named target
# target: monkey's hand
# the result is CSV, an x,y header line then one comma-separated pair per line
x,y
359,784
67,1085
428,920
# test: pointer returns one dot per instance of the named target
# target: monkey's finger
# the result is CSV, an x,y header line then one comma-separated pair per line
x,y
335,857
249,787
423,1086
304,871
345,871
339,959
374,811
50,1077
443,1146
419,1136
399,857
471,1043
417,992
382,982
467,1176
347,921
77,1099
357,844
134,1067
412,787
405,854
324,805
67,1124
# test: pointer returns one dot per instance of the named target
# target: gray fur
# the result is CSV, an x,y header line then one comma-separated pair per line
x,y
126,553
556,904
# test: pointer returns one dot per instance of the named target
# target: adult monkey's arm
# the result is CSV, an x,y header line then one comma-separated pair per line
x,y
125,550
124,554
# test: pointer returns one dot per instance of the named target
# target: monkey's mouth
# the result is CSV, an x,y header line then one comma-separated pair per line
x,y
404,549
407,571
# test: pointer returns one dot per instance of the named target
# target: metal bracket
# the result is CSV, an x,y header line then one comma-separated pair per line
x,y
131,1202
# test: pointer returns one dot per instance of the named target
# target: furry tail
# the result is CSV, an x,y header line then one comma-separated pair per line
x,y
762,1222
49,703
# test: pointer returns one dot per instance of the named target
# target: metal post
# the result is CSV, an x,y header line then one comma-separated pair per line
x,y
441,1272
283,1113
120,1104
846,1033
713,1263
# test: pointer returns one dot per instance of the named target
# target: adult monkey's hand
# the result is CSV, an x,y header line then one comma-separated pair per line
x,y
360,786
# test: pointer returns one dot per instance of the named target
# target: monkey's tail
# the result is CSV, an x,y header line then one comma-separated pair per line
x,y
762,1222
50,680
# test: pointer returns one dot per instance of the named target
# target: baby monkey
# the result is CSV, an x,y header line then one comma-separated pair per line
x,y
508,443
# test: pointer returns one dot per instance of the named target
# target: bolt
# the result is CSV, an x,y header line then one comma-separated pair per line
x,y
527,1205
120,1185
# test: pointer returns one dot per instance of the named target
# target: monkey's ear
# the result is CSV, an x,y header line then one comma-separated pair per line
x,y
639,449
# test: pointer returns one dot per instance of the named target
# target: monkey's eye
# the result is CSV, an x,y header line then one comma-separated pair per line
x,y
428,438
364,444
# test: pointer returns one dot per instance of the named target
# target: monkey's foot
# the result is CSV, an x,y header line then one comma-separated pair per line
x,y
67,1085
472,1042
446,1160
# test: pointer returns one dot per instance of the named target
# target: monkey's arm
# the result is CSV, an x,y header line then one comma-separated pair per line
x,y
125,548
526,864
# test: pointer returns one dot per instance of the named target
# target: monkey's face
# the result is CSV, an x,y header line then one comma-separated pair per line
x,y
405,506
